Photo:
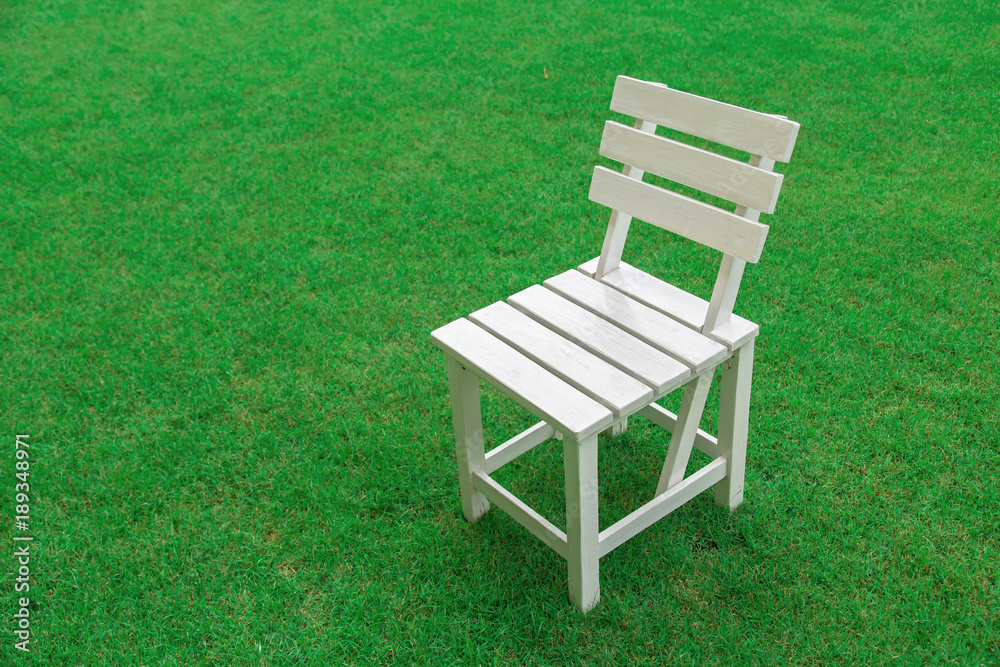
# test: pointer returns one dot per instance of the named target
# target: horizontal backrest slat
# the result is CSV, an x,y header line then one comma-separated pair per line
x,y
756,133
682,215
706,171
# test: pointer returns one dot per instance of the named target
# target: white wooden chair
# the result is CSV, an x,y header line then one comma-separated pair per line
x,y
602,342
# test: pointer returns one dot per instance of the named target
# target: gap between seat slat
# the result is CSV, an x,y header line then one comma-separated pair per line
x,y
686,308
666,334
613,388
626,352
536,389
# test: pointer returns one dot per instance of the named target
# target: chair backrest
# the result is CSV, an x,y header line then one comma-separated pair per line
x,y
752,186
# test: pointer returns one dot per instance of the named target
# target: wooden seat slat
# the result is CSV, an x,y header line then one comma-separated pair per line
x,y
592,375
640,360
662,332
682,306
561,405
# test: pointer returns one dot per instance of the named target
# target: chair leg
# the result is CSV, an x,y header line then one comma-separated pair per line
x,y
734,419
682,440
580,458
469,448
618,427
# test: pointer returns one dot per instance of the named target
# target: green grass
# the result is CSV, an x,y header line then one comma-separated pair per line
x,y
228,228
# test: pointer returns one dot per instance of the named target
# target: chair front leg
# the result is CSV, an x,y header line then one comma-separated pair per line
x,y
580,456
470,450
734,420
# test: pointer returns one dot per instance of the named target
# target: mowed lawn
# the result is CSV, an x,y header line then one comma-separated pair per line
x,y
227,229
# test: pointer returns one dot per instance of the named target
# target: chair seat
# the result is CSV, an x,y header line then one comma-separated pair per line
x,y
582,353
684,307
523,380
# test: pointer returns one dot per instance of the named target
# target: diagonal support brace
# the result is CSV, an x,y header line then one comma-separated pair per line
x,y
682,440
